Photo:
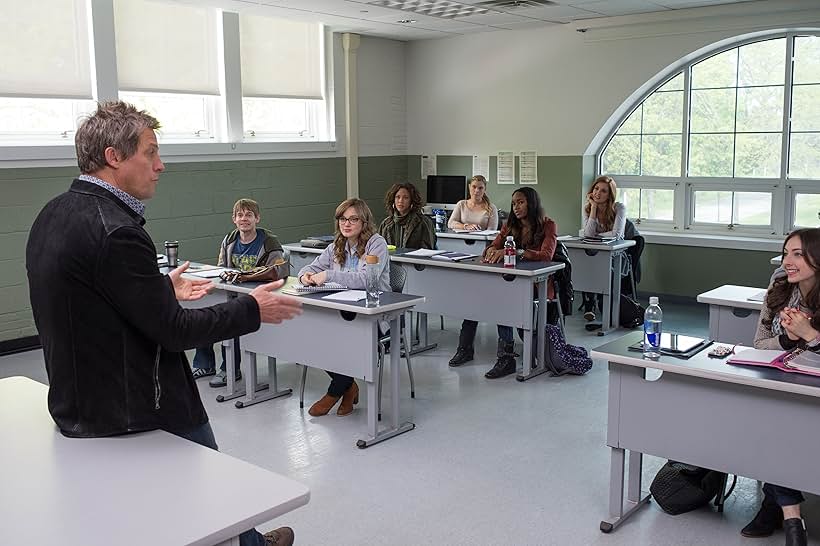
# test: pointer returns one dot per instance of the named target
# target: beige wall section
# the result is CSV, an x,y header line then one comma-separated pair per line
x,y
192,205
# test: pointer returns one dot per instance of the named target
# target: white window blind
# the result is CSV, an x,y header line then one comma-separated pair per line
x,y
280,58
45,50
166,48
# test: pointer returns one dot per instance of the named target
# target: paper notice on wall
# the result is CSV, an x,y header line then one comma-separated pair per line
x,y
481,166
428,166
505,168
528,168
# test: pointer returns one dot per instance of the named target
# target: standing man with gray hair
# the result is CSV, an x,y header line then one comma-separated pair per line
x,y
112,330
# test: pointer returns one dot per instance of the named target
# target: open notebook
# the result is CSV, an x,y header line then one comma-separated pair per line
x,y
796,361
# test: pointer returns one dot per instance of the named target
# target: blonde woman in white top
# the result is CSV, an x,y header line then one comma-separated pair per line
x,y
475,213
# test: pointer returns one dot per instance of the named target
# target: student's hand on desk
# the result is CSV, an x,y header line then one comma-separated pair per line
x,y
493,255
275,308
187,289
316,279
472,227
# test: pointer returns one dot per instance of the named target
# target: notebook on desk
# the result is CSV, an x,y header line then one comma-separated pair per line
x,y
760,296
452,256
600,240
296,289
795,361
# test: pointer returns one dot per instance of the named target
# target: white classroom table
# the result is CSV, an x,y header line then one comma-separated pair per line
x,y
300,256
776,260
732,315
596,268
132,490
701,411
336,336
469,243
484,292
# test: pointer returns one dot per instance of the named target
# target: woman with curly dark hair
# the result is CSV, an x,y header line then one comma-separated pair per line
x,y
405,225
344,262
790,318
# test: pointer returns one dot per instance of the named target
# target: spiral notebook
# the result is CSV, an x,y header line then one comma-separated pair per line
x,y
298,288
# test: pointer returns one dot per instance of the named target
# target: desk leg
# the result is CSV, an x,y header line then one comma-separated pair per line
x,y
272,386
394,429
527,369
423,344
619,509
249,368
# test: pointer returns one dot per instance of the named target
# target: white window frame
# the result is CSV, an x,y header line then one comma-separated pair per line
x,y
782,188
229,143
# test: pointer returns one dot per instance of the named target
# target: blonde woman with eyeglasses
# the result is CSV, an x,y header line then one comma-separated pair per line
x,y
343,262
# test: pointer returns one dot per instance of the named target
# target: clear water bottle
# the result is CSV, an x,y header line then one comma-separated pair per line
x,y
509,252
652,328
372,280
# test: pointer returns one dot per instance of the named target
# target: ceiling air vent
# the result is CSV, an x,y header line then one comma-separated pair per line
x,y
508,5
444,9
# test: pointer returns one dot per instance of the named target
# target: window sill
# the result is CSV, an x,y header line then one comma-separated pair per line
x,y
172,152
764,244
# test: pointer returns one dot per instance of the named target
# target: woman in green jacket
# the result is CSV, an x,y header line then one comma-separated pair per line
x,y
405,225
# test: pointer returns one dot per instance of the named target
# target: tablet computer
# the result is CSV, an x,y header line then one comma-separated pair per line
x,y
674,343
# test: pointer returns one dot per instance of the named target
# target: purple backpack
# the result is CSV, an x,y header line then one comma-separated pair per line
x,y
563,358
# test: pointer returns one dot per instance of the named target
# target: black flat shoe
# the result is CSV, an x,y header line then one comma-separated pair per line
x,y
503,366
463,354
768,519
795,531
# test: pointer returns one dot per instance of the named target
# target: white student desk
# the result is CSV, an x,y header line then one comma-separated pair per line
x,y
300,256
732,316
148,488
486,293
708,413
469,243
596,268
340,337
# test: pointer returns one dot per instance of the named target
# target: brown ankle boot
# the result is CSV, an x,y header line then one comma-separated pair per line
x,y
323,406
350,398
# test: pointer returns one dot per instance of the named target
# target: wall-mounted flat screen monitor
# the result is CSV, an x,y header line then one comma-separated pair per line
x,y
446,190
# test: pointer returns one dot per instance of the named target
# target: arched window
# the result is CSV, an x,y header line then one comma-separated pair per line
x,y
730,142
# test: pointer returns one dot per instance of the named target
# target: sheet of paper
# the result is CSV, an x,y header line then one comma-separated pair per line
x,y
528,168
505,168
424,252
428,166
481,165
346,295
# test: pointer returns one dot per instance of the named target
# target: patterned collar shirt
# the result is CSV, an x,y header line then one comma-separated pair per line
x,y
132,202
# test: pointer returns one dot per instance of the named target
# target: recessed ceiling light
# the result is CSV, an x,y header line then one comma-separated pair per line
x,y
406,21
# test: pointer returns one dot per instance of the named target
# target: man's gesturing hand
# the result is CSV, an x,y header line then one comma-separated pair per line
x,y
187,289
275,308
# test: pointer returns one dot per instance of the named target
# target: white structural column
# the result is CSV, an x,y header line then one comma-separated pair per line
x,y
350,44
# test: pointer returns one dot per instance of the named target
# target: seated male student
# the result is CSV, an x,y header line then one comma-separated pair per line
x,y
244,248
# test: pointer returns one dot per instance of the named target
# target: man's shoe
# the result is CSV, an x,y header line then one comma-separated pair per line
x,y
463,354
323,406
199,373
589,316
221,379
349,399
279,537
503,366
768,519
795,531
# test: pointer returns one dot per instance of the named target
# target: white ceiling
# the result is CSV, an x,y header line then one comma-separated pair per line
x,y
364,17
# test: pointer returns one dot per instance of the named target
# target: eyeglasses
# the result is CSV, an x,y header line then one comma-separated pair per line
x,y
349,220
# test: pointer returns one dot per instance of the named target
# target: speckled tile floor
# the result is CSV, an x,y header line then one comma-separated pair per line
x,y
490,462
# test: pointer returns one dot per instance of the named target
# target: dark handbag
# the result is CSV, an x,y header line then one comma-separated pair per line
x,y
680,487
630,313
563,358
266,273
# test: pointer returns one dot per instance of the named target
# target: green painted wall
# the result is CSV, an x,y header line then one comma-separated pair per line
x,y
192,205
563,180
